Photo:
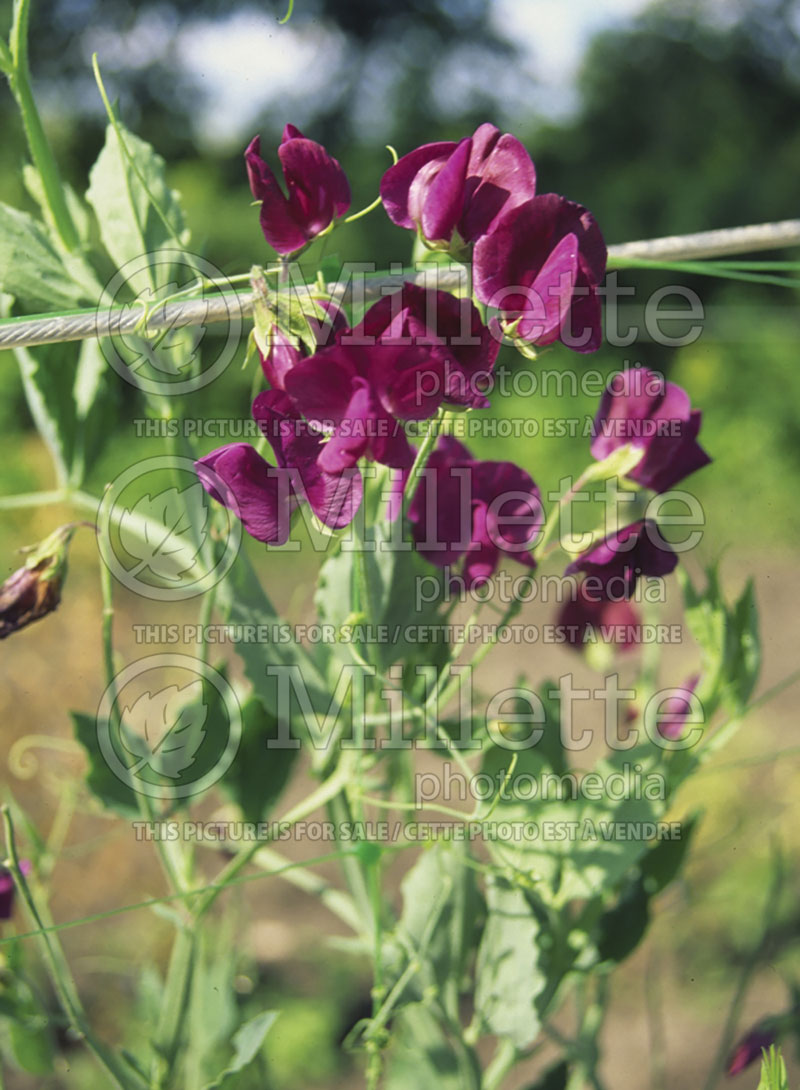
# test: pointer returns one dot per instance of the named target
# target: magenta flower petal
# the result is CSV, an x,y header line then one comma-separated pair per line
x,y
586,613
620,558
397,181
550,295
322,385
318,188
510,506
461,348
283,355
239,478
641,408
281,230
675,710
501,176
318,191
475,510
7,888
527,248
334,496
409,380
464,187
351,439
443,199
748,1050
355,394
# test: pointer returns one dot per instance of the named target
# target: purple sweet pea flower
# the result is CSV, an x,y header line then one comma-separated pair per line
x,y
676,709
265,496
448,187
359,395
748,1050
462,348
541,265
639,407
317,187
7,890
478,510
588,611
285,352
619,559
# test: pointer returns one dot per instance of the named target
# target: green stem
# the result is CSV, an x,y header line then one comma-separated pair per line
x,y
35,499
204,620
554,518
145,803
323,794
364,211
174,1008
423,454
124,1077
352,867
705,268
335,900
41,152
503,1060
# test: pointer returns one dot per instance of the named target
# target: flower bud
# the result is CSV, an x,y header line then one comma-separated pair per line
x,y
34,590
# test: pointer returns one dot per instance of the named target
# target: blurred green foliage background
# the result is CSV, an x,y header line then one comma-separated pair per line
x,y
686,119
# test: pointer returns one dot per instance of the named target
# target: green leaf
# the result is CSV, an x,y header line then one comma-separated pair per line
x,y
137,211
27,1022
101,781
77,209
160,532
729,640
172,723
773,1071
214,1013
46,374
582,843
243,601
662,864
35,271
421,1057
622,928
706,620
257,778
508,976
72,394
96,400
247,1042
333,596
744,649
440,889
548,755
554,1078
32,1045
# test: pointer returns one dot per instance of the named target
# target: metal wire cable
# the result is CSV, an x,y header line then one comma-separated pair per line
x,y
28,332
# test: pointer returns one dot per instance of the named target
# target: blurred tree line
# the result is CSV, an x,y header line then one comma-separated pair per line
x,y
686,117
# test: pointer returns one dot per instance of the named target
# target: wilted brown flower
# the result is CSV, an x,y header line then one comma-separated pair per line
x,y
34,590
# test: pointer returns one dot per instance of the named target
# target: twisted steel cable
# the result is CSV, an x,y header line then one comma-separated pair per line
x,y
28,332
